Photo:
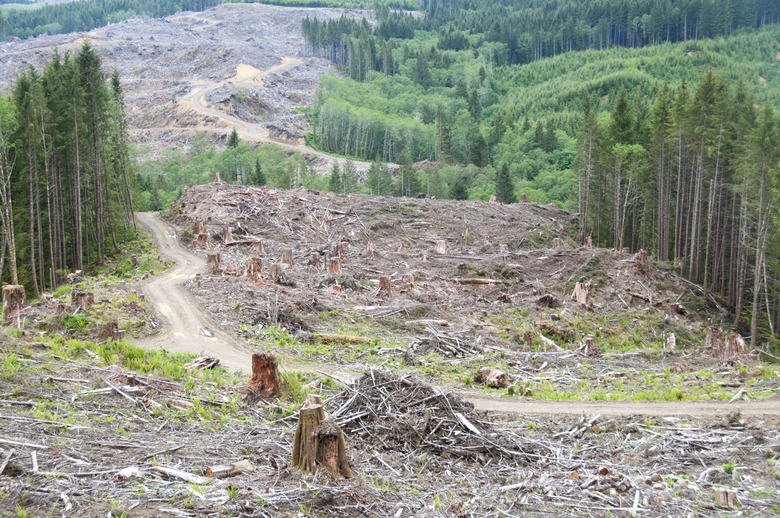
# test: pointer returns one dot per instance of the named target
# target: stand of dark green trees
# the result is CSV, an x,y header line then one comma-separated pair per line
x,y
694,182
65,173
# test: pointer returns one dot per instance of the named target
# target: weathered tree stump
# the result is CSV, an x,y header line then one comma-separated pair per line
x,y
108,330
286,258
254,269
214,263
626,250
199,228
265,376
385,290
640,262
528,338
492,198
670,342
215,177
75,277
726,498
547,301
334,267
339,250
315,262
407,280
441,247
203,240
589,346
371,250
713,342
319,442
231,269
275,272
258,248
82,299
228,235
494,378
14,299
582,292
735,345
589,242
557,243
524,198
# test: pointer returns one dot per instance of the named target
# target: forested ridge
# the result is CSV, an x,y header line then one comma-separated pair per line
x,y
65,173
665,140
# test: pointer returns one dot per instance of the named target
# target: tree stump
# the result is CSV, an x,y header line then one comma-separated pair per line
x,y
75,277
670,341
82,299
119,334
408,280
735,345
14,299
254,269
371,250
215,177
258,248
557,243
315,262
286,259
319,442
275,272
524,198
203,240
726,498
589,346
107,331
492,198
199,228
441,247
589,242
228,235
400,247
626,250
385,290
214,263
547,301
494,378
265,376
640,262
339,250
582,292
334,267
713,342
231,269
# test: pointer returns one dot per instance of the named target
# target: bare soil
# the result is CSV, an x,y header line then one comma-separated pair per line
x,y
238,66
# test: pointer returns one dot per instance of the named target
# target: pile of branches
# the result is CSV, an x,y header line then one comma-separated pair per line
x,y
447,344
400,413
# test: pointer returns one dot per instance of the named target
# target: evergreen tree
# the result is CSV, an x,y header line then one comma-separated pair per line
x,y
505,189
258,177
459,189
335,183
233,139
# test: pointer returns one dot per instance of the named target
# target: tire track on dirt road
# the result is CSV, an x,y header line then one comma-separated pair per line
x,y
183,320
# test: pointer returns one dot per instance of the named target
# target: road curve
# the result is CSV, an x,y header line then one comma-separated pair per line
x,y
184,320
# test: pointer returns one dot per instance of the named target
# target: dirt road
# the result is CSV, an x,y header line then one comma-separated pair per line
x,y
188,328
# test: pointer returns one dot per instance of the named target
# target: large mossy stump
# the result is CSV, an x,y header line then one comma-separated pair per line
x,y
319,442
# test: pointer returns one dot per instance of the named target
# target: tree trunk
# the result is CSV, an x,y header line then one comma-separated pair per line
x,y
214,263
82,299
265,377
13,299
286,259
319,442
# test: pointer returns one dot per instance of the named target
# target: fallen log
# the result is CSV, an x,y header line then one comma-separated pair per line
x,y
478,282
340,339
204,362
229,470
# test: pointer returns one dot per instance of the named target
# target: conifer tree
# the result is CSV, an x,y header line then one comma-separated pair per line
x,y
505,189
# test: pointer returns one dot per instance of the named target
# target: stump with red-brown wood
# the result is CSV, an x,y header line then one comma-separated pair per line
x,y
265,376
82,299
214,263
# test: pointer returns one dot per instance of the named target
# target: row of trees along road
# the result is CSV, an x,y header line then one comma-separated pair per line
x,y
695,183
64,170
